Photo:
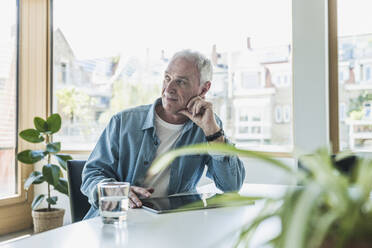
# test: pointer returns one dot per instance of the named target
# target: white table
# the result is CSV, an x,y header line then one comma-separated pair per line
x,y
202,228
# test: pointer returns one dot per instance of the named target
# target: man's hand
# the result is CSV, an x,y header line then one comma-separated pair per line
x,y
134,192
201,113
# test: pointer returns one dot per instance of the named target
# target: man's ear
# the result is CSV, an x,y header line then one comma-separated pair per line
x,y
205,88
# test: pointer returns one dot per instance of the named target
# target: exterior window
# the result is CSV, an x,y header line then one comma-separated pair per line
x,y
8,97
250,80
243,116
342,114
112,66
278,114
2,83
63,73
368,74
355,94
340,76
243,130
287,114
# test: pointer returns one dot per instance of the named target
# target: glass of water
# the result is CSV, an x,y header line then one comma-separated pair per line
x,y
113,202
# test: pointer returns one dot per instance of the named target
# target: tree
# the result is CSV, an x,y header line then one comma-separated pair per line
x,y
127,94
74,103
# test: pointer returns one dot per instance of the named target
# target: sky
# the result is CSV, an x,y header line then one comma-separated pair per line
x,y
7,19
103,28
98,28
354,17
111,26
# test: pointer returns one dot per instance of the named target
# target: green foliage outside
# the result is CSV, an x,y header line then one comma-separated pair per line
x,y
75,104
356,111
127,94
51,173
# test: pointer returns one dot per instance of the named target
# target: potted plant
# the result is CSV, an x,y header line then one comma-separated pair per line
x,y
45,218
331,208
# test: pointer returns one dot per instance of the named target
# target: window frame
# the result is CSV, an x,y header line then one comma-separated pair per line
x,y
32,76
333,77
311,50
334,104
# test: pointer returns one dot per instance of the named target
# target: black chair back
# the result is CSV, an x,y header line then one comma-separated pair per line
x,y
79,204
344,165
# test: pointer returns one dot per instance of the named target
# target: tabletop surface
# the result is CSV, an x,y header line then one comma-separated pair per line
x,y
201,228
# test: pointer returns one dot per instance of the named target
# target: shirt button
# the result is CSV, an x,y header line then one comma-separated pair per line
x,y
146,163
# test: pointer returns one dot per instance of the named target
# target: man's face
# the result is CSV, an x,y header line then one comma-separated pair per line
x,y
181,83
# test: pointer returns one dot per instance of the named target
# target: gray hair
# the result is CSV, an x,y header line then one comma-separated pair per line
x,y
203,64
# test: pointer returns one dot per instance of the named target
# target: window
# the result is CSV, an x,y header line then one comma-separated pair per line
x,y
250,80
368,74
278,114
342,113
355,59
121,58
287,114
8,97
63,73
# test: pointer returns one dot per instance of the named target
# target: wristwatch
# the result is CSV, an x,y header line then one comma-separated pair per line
x,y
215,136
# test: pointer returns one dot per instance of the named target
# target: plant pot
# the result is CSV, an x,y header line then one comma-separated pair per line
x,y
45,220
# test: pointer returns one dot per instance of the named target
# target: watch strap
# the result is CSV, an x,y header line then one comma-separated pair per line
x,y
215,136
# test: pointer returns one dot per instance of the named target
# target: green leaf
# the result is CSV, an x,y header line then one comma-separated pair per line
x,y
31,157
51,173
62,186
40,124
52,200
295,235
53,147
34,178
31,135
226,199
54,123
37,200
62,159
163,161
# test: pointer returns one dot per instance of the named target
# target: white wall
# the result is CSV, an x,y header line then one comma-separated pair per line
x,y
310,74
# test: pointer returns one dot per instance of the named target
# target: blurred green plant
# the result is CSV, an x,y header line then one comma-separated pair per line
x,y
74,103
329,209
128,94
356,114
355,111
51,173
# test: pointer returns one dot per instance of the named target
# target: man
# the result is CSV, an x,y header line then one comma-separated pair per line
x,y
135,137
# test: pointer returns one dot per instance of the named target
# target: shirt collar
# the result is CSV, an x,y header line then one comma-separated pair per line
x,y
149,122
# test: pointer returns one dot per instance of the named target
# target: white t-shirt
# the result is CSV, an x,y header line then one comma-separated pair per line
x,y
168,134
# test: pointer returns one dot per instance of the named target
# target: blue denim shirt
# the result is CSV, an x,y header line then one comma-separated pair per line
x,y
128,146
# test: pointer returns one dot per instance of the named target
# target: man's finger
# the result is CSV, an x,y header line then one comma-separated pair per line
x,y
186,113
132,204
192,101
151,190
141,191
198,106
135,199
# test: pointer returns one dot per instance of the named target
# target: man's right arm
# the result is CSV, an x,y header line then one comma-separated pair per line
x,y
102,162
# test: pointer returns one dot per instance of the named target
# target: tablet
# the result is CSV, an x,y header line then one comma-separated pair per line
x,y
188,202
